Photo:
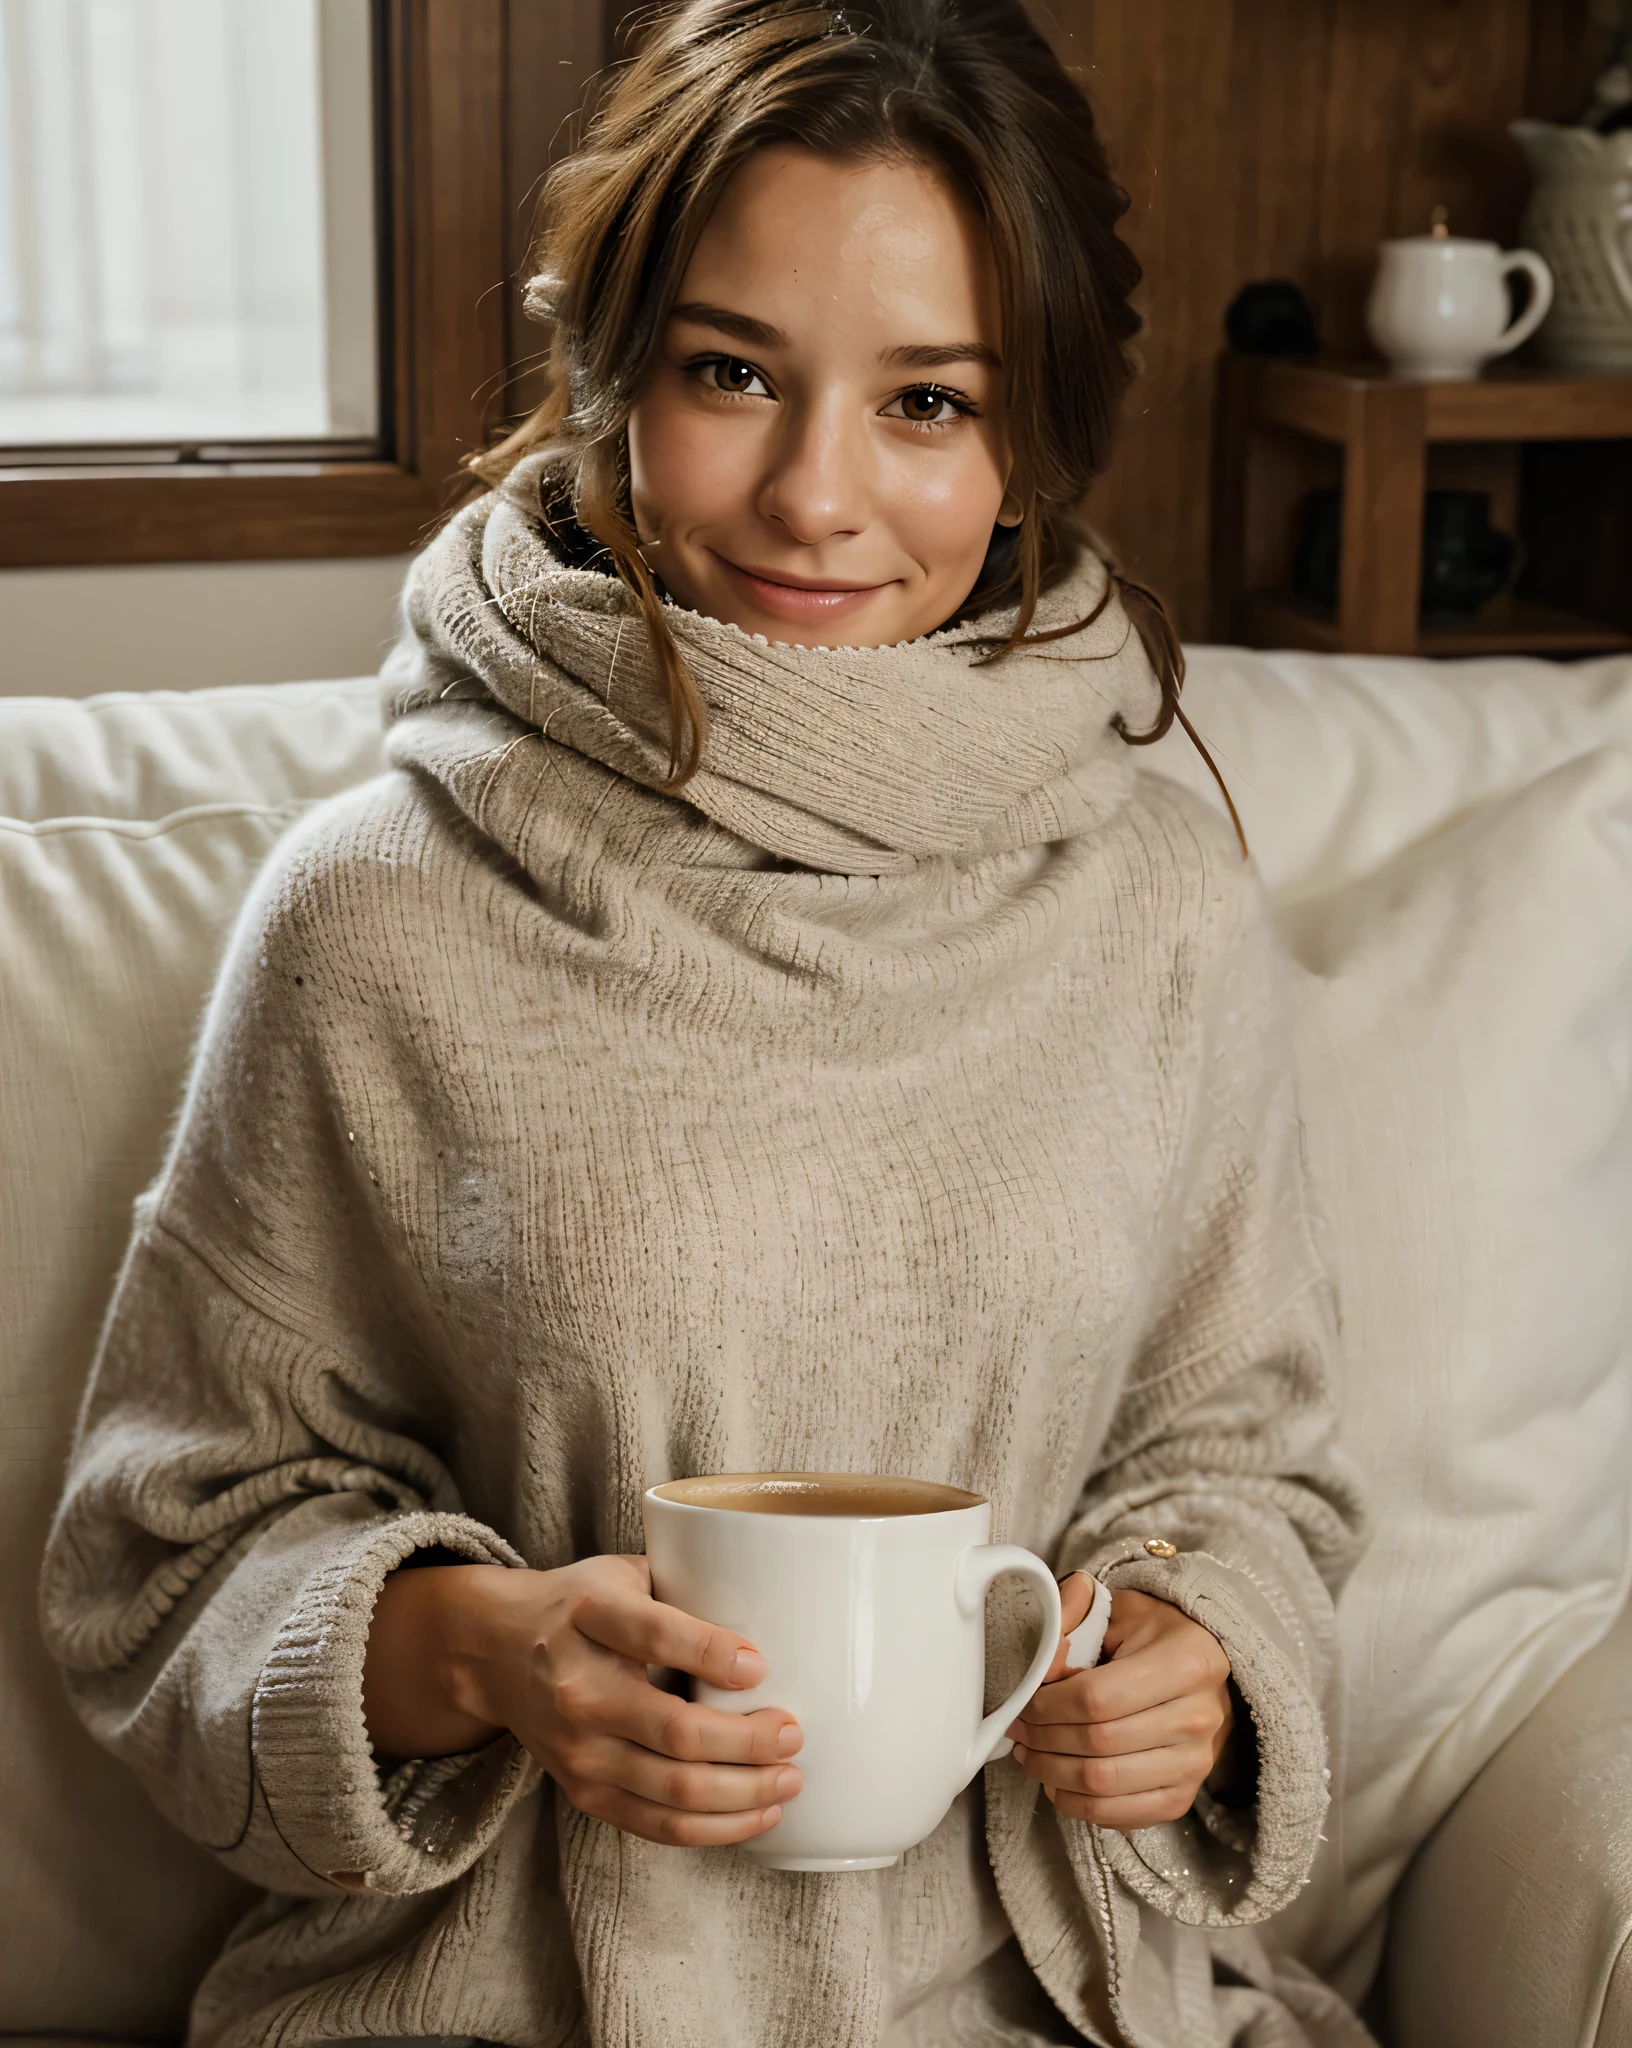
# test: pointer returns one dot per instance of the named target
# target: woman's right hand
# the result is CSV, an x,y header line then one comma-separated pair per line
x,y
459,1653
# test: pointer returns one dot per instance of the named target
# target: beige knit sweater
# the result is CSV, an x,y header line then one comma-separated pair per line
x,y
910,1096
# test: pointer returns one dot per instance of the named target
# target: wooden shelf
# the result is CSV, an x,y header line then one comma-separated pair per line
x,y
1507,625
1328,401
1284,428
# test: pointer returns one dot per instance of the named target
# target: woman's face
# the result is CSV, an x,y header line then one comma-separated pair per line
x,y
820,454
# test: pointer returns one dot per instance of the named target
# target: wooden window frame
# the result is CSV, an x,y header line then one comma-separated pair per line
x,y
461,140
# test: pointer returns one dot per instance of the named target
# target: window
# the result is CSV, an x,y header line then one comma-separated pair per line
x,y
187,223
257,263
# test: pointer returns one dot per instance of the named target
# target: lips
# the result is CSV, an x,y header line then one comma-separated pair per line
x,y
799,599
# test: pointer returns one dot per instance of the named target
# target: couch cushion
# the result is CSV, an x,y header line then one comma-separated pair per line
x,y
114,913
146,756
1464,1061
1336,762
1450,847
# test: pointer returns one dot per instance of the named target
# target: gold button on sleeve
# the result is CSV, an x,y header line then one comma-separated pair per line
x,y
1158,1546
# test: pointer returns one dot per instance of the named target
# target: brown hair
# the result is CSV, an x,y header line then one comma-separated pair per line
x,y
968,86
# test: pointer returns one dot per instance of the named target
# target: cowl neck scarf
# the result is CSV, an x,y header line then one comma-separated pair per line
x,y
844,760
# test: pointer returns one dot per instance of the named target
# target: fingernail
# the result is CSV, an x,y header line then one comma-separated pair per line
x,y
747,1667
787,1784
791,1740
771,1816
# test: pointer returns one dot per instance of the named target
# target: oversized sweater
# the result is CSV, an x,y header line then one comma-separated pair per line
x,y
908,1094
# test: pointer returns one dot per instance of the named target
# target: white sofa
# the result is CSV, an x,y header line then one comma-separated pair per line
x,y
1450,849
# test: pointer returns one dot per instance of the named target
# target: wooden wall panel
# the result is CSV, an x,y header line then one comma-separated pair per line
x,y
1569,44
1417,98
1286,138
555,50
1163,75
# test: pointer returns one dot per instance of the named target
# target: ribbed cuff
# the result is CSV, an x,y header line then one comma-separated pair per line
x,y
1222,1867
313,1762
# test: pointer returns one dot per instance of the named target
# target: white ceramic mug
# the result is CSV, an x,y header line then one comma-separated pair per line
x,y
866,1597
1439,308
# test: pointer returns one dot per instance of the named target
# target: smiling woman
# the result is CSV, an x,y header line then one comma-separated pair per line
x,y
816,483
906,1094
963,203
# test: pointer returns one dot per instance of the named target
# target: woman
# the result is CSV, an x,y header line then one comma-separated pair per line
x,y
764,1021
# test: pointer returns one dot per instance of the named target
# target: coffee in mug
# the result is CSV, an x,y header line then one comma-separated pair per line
x,y
866,1597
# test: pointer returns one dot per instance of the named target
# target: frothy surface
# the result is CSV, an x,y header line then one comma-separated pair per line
x,y
862,1494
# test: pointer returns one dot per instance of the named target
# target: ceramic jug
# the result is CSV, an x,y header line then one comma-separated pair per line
x,y
1580,219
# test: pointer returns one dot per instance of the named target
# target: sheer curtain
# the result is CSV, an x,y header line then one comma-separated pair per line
x,y
186,222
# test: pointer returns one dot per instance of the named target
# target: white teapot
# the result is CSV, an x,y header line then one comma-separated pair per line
x,y
1439,308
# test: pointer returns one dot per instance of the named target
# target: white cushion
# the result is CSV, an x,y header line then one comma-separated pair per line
x,y
1465,1060
143,756
129,830
1338,761
1464,1051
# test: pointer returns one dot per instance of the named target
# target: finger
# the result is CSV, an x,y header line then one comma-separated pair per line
x,y
1170,1669
595,1692
1116,1777
1197,1719
1135,1620
1076,1598
668,1824
651,1632
586,1761
692,1734
1136,1810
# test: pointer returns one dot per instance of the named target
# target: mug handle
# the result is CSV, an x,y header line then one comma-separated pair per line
x,y
1541,297
977,1568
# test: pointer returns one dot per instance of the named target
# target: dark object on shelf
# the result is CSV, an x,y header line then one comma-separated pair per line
x,y
1271,318
1465,560
1283,427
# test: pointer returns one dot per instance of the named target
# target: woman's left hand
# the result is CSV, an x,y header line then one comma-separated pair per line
x,y
1131,1741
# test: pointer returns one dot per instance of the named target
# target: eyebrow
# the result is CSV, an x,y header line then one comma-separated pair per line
x,y
925,355
931,355
740,326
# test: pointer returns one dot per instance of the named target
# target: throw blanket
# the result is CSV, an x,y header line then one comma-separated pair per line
x,y
909,1094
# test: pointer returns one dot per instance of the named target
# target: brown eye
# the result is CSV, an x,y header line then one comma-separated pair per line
x,y
923,404
927,405
732,375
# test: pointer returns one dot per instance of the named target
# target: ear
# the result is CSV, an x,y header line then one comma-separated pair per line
x,y
1011,511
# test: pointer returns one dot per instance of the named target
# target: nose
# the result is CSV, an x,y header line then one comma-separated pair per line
x,y
817,486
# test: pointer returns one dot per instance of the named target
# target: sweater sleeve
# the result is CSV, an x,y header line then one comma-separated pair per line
x,y
1219,1487
262,1443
